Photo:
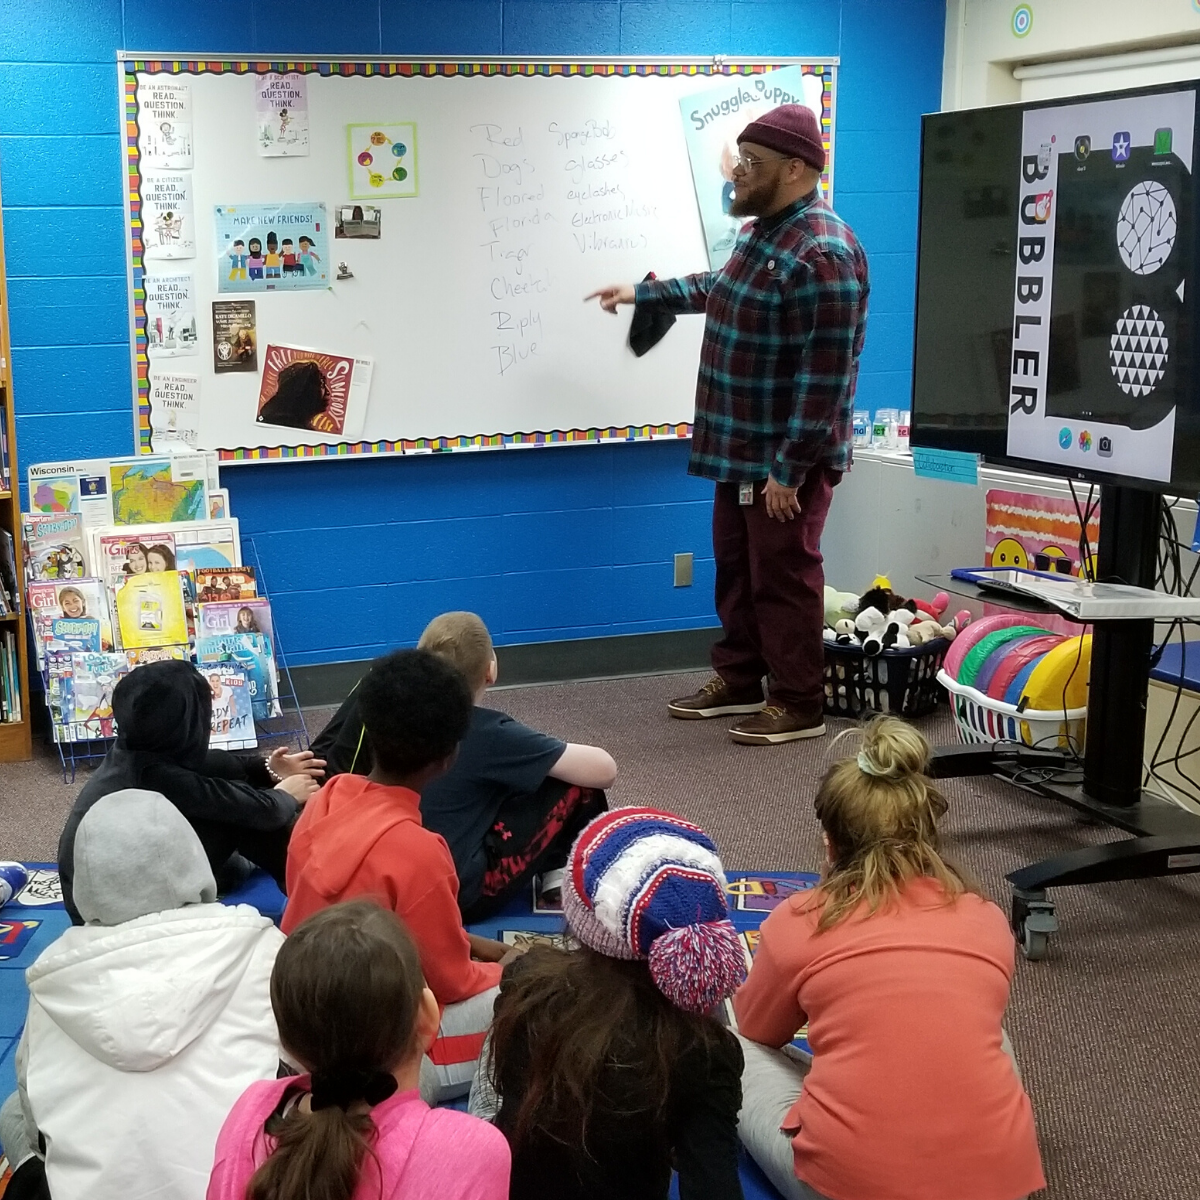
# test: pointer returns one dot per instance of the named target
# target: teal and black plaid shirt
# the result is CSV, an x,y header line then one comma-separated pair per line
x,y
784,328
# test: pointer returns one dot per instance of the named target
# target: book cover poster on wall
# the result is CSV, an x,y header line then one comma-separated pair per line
x,y
170,315
271,247
383,160
312,390
165,130
168,217
1106,397
235,337
281,103
174,411
712,120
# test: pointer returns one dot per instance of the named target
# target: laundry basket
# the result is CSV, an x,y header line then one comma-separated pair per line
x,y
980,719
903,682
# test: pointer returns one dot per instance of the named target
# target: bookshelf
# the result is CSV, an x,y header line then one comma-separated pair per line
x,y
16,742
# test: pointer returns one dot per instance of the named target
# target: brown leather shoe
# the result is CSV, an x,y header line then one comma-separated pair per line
x,y
774,725
714,699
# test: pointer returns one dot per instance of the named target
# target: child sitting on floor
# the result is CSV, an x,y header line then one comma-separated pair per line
x,y
364,837
241,807
514,800
354,1011
902,971
604,1067
146,1023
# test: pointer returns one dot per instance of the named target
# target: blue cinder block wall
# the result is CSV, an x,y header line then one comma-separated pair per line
x,y
546,544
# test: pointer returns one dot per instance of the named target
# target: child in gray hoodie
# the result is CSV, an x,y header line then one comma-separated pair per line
x,y
145,1023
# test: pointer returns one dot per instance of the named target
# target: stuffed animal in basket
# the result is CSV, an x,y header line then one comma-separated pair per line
x,y
922,632
839,606
868,628
895,632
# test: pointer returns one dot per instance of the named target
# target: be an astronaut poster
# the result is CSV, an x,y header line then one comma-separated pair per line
x,y
712,120
1102,299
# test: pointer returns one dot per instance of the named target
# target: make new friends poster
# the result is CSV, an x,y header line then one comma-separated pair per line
x,y
272,247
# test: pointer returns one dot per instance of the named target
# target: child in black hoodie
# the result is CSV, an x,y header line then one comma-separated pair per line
x,y
237,804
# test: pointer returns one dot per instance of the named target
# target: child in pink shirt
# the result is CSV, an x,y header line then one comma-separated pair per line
x,y
901,971
353,1009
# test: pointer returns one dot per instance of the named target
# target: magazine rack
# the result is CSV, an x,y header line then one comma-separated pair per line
x,y
288,727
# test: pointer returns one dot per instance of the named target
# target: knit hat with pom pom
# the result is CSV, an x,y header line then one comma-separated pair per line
x,y
645,884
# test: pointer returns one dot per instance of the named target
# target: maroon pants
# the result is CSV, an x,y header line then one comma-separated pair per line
x,y
771,594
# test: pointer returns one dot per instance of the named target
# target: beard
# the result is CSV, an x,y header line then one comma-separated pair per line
x,y
752,199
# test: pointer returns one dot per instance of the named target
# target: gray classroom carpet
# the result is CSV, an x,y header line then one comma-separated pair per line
x,y
1107,1029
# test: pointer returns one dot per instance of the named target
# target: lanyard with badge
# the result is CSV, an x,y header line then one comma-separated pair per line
x,y
745,494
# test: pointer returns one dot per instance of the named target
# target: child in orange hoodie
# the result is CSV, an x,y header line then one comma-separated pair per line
x,y
362,836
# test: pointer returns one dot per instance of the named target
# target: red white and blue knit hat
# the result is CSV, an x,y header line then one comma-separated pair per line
x,y
646,884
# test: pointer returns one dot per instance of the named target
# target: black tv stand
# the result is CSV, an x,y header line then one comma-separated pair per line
x,y
1166,838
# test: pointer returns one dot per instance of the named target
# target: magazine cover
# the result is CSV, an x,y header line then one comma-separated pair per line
x,y
315,391
150,610
67,634
54,546
232,716
148,654
211,543
60,693
237,583
192,544
95,676
252,652
122,555
79,598
237,616
235,339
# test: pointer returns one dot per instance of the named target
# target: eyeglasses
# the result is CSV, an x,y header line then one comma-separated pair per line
x,y
747,162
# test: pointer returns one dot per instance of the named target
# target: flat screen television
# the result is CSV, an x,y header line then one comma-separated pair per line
x,y
1056,287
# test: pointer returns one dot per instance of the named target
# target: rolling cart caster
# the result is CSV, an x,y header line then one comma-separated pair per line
x,y
1033,921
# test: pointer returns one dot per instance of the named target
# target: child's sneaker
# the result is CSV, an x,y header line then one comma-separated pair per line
x,y
13,877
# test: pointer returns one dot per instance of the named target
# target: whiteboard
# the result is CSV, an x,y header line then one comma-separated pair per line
x,y
535,188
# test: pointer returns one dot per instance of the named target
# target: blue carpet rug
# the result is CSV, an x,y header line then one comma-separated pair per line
x,y
35,917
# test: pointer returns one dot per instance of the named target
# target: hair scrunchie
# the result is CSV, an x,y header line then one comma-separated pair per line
x,y
341,1089
867,767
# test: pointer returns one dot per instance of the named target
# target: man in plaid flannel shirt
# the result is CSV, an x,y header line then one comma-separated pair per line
x,y
785,320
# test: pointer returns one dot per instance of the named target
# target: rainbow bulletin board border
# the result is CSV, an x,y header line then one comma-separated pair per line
x,y
147,64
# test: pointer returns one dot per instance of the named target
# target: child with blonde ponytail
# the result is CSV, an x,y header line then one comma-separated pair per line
x,y
353,1010
901,970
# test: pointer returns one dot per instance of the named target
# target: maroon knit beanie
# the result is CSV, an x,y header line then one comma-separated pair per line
x,y
790,129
